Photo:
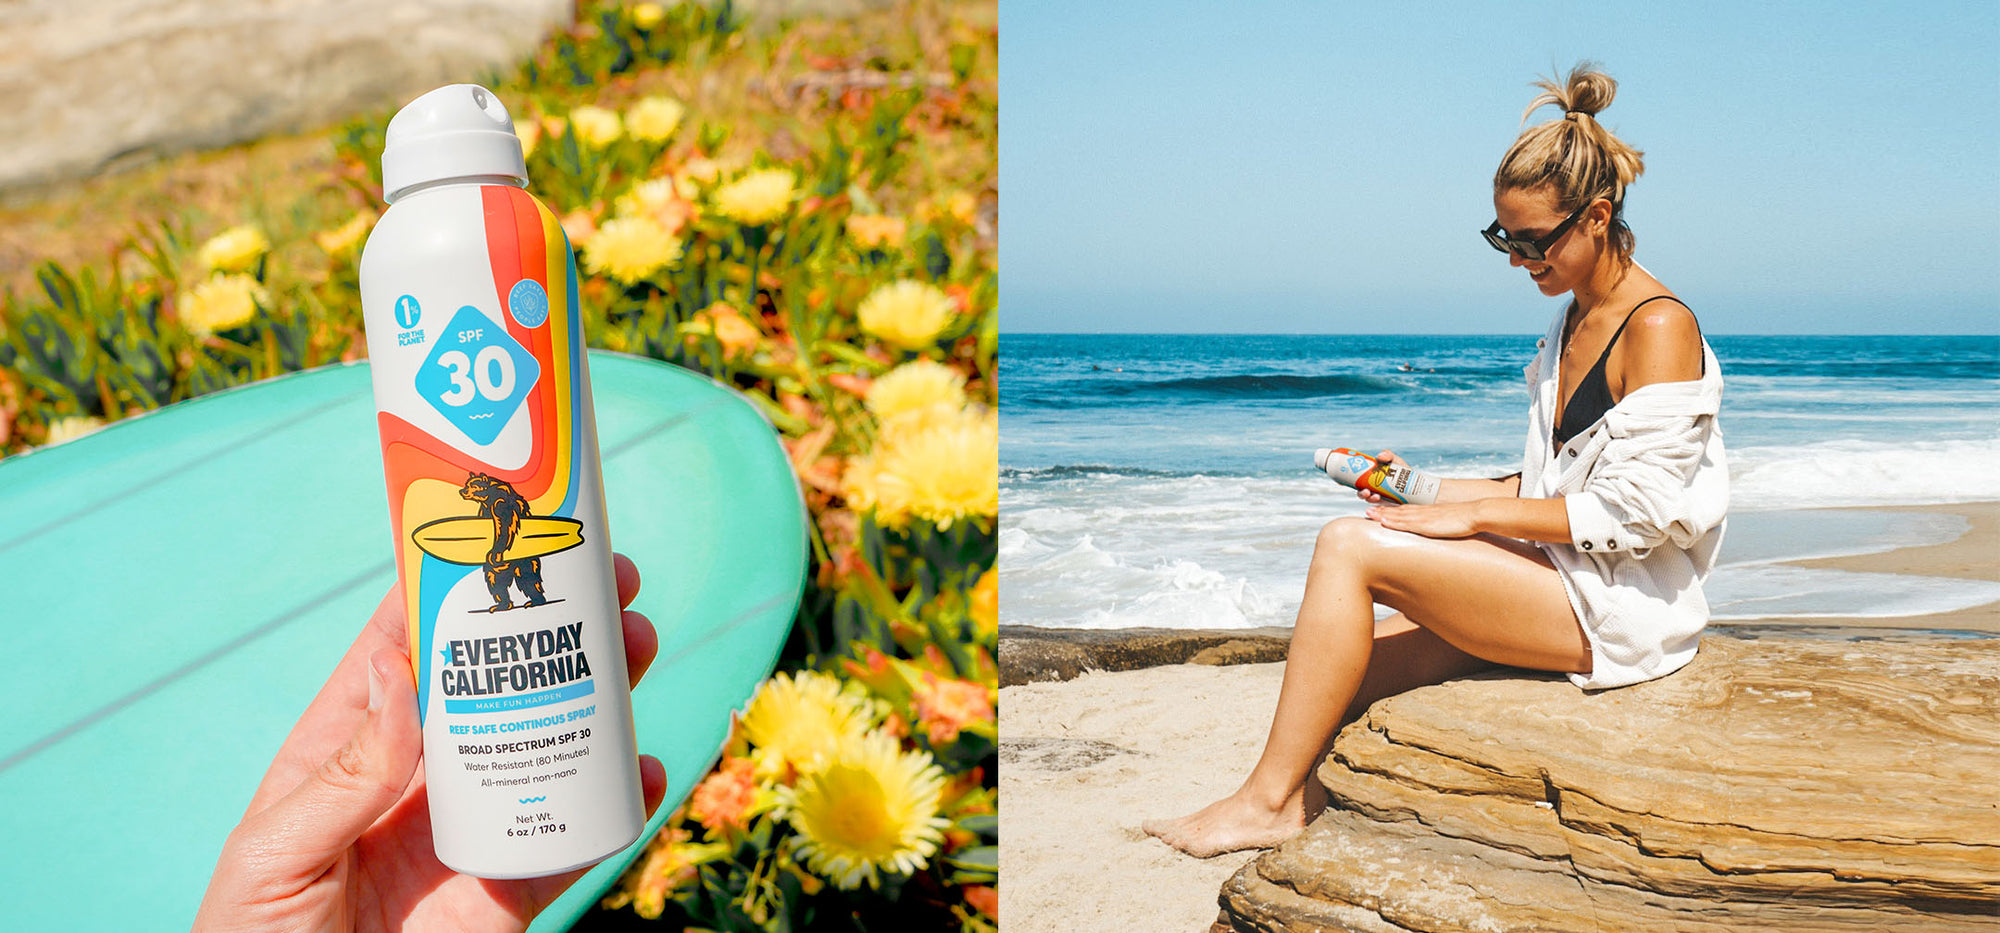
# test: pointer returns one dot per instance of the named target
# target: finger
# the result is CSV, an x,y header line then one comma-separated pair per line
x,y
390,621
653,781
339,707
1387,456
628,579
306,830
642,644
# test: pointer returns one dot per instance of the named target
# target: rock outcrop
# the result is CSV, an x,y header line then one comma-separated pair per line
x,y
1029,654
100,84
1773,785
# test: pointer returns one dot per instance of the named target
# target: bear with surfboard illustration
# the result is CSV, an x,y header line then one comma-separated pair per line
x,y
504,540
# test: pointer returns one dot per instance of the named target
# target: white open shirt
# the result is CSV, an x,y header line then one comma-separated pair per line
x,y
1647,490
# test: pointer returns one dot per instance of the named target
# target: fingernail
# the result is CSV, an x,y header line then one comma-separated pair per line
x,y
375,690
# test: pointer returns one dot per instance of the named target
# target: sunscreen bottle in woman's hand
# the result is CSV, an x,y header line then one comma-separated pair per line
x,y
1395,483
489,444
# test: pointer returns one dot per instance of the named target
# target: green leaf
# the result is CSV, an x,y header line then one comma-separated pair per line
x,y
986,825
851,354
977,858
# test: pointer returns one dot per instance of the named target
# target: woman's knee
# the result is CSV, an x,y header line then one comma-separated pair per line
x,y
1349,541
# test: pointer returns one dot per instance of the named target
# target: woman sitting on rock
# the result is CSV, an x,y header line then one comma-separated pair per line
x,y
1590,561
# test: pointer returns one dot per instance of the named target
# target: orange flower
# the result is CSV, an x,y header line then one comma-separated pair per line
x,y
945,706
723,800
876,231
737,336
579,226
894,725
875,671
850,383
670,862
984,898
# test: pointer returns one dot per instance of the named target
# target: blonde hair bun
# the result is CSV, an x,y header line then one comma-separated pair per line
x,y
1587,90
1574,155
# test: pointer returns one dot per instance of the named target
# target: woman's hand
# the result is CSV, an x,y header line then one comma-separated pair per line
x,y
1370,496
338,837
1443,520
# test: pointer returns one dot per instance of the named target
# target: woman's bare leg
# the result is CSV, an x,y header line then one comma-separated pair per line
x,y
1478,600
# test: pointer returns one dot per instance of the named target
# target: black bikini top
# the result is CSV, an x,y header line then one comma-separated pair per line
x,y
1592,396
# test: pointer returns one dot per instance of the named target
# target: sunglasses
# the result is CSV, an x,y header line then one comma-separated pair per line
x,y
1536,249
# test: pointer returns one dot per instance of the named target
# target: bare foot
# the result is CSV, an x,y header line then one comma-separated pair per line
x,y
1231,824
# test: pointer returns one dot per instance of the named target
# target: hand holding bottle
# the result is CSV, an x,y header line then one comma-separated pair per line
x,y
1384,478
340,819
1394,461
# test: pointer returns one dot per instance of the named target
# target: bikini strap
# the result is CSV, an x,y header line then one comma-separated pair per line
x,y
1620,332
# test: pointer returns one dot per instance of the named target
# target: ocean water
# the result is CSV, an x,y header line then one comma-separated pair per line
x,y
1167,480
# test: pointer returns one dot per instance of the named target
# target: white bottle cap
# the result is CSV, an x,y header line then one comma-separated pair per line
x,y
456,131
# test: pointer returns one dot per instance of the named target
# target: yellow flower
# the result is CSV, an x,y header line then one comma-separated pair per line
x,y
867,489
985,608
219,303
797,722
702,170
872,811
954,469
914,387
653,119
757,198
342,241
658,198
631,248
963,206
67,429
647,15
942,468
645,198
530,133
596,127
871,231
908,314
234,250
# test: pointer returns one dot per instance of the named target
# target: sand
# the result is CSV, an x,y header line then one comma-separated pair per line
x,y
1084,762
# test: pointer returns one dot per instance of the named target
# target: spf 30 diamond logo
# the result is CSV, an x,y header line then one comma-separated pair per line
x,y
477,375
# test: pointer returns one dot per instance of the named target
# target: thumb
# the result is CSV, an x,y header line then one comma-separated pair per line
x,y
307,829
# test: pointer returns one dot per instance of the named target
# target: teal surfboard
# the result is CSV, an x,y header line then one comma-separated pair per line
x,y
179,585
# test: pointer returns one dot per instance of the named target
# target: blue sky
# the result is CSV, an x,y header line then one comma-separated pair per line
x,y
1272,167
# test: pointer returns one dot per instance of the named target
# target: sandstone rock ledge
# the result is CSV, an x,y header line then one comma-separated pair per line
x,y
1030,653
1776,784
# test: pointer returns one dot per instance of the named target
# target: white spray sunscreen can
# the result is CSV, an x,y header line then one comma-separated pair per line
x,y
489,445
1360,471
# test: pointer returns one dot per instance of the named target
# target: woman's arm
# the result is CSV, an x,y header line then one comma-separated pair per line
x,y
1527,519
1453,490
1467,490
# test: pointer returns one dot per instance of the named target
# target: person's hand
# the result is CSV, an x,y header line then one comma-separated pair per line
x,y
1372,497
1442,520
338,835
